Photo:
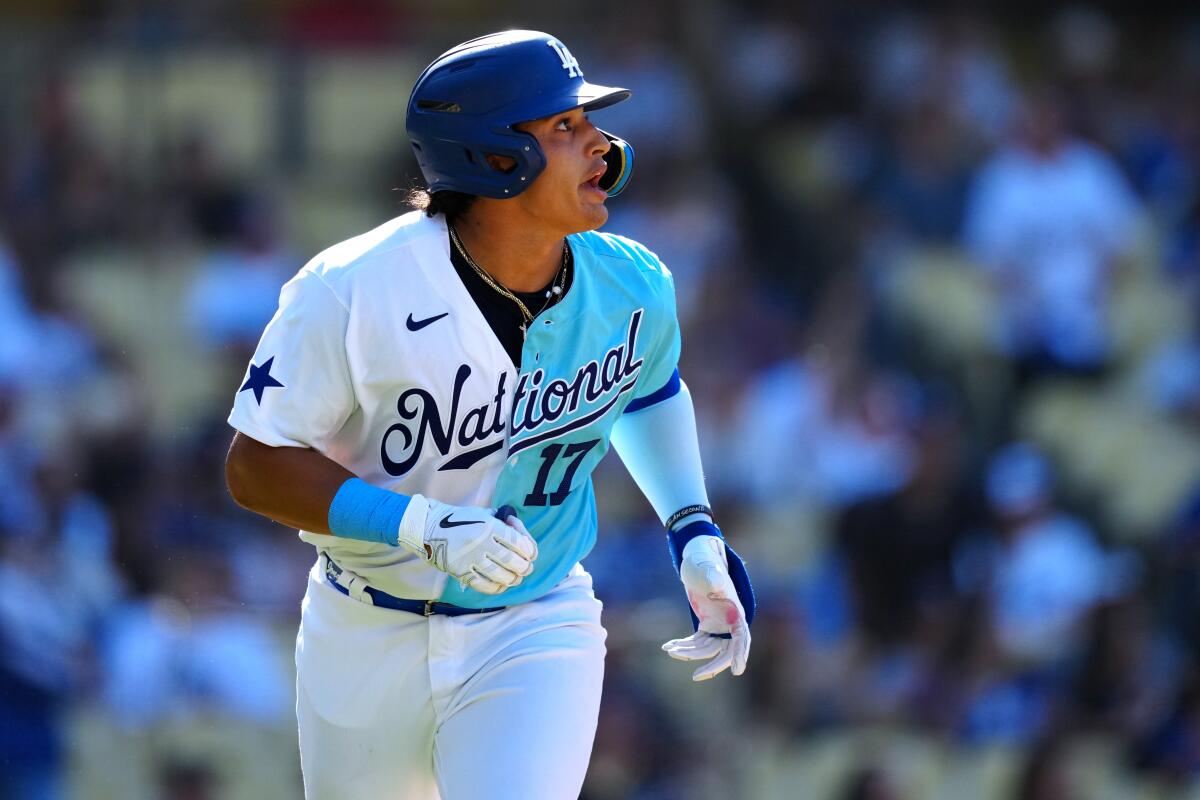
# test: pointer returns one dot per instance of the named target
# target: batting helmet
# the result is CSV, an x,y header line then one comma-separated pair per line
x,y
465,104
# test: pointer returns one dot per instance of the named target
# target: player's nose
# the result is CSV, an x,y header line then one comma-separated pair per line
x,y
598,143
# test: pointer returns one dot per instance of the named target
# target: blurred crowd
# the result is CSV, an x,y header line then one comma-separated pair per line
x,y
939,280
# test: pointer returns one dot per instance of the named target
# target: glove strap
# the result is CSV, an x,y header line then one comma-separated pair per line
x,y
737,568
677,539
741,582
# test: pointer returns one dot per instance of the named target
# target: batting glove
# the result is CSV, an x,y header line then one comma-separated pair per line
x,y
723,635
484,553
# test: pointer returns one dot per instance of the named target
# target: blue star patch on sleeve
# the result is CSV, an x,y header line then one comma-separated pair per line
x,y
260,379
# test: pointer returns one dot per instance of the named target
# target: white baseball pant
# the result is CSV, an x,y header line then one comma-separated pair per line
x,y
397,706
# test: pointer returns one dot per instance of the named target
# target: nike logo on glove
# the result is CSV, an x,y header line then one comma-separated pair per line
x,y
446,523
416,325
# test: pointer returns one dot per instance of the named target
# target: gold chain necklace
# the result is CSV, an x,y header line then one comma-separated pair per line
x,y
556,288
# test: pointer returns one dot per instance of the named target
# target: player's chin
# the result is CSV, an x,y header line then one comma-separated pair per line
x,y
592,207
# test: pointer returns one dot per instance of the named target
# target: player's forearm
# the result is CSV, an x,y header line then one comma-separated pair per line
x,y
660,449
292,485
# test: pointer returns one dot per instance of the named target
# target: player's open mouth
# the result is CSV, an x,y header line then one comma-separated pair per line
x,y
593,181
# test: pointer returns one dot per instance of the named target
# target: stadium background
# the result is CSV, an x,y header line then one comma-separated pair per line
x,y
939,277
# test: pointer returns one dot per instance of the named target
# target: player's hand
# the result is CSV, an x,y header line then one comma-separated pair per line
x,y
469,543
704,571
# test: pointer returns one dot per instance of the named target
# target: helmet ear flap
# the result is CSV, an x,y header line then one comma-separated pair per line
x,y
619,159
453,164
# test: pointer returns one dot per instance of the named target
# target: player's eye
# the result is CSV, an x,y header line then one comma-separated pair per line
x,y
563,124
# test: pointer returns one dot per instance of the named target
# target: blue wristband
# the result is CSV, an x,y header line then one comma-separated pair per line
x,y
368,513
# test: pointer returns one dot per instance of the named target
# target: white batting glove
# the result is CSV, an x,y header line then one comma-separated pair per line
x,y
469,543
704,571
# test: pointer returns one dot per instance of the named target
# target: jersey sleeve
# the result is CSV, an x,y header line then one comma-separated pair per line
x,y
659,378
297,390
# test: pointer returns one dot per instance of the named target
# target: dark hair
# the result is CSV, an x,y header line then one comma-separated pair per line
x,y
451,204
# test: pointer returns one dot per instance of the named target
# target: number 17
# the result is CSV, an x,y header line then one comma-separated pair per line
x,y
575,451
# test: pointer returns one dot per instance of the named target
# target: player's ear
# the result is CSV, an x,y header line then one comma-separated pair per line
x,y
503,164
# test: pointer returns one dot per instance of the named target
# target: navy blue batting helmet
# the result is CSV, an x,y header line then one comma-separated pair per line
x,y
465,104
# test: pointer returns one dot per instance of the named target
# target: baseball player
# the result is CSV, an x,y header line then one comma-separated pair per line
x,y
427,406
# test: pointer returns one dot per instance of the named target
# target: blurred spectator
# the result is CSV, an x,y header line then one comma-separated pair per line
x,y
1183,246
41,347
57,586
191,653
236,290
19,507
200,195
1178,577
41,644
60,188
898,547
825,426
1045,570
1170,378
18,327
776,696
948,62
637,755
1049,218
809,430
1172,745
771,60
922,183
1121,674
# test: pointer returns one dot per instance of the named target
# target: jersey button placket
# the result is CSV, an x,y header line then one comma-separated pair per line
x,y
530,345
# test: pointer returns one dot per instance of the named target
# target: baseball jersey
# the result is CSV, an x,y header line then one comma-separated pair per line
x,y
379,358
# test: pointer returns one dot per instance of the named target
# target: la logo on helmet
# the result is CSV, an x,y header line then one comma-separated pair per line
x,y
568,61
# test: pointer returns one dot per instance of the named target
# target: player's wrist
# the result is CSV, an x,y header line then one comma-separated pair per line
x,y
697,512
365,512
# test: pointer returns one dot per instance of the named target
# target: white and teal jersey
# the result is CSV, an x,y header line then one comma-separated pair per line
x,y
379,358
613,338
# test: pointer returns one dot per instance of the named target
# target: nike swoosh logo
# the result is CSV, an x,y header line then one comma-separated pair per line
x,y
416,325
447,523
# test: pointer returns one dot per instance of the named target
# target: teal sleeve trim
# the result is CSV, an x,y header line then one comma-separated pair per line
x,y
368,513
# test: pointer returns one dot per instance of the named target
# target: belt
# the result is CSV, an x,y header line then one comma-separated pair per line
x,y
355,587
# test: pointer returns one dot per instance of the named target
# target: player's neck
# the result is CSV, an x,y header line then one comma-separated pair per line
x,y
520,256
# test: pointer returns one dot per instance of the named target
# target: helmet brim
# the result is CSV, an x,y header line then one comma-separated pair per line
x,y
589,96
601,96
